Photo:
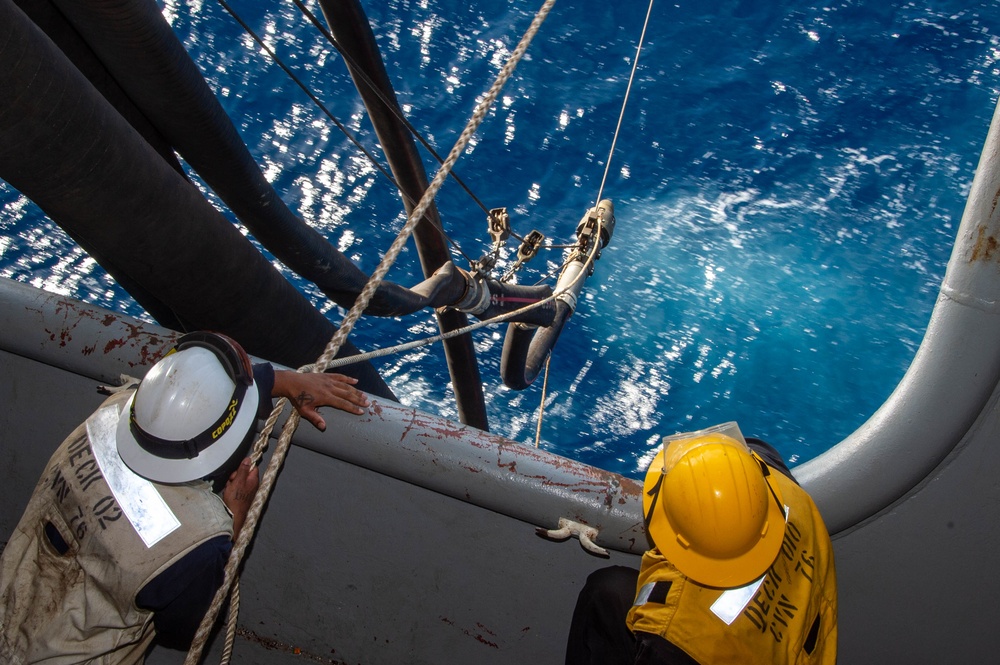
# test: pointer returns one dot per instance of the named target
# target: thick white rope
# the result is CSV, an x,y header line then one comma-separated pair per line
x,y
267,482
234,612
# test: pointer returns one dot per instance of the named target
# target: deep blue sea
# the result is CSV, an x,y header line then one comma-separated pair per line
x,y
788,182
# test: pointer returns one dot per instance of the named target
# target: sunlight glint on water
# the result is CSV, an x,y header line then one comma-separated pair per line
x,y
788,183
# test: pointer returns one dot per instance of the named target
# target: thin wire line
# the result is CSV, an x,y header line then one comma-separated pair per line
x,y
392,108
371,158
600,192
621,115
305,89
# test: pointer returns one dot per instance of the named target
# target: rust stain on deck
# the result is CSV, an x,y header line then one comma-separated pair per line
x,y
274,645
476,635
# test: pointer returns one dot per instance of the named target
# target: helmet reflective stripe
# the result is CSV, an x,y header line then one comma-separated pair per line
x,y
191,412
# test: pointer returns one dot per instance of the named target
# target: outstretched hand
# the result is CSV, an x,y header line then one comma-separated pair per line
x,y
308,391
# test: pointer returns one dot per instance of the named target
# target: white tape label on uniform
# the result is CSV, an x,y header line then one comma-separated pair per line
x,y
643,594
142,504
730,604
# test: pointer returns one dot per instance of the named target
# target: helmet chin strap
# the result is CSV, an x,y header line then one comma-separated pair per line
x,y
766,470
655,493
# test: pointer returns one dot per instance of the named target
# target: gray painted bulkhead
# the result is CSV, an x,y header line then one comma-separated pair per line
x,y
403,538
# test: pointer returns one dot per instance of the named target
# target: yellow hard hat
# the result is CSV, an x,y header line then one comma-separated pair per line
x,y
713,508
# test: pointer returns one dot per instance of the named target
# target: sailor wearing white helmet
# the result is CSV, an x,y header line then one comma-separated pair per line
x,y
125,539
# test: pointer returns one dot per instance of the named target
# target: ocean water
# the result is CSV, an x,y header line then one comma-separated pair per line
x,y
788,180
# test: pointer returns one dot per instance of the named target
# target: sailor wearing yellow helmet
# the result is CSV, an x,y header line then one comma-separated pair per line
x,y
740,569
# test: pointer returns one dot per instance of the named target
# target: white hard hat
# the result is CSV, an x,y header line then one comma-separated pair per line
x,y
191,413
